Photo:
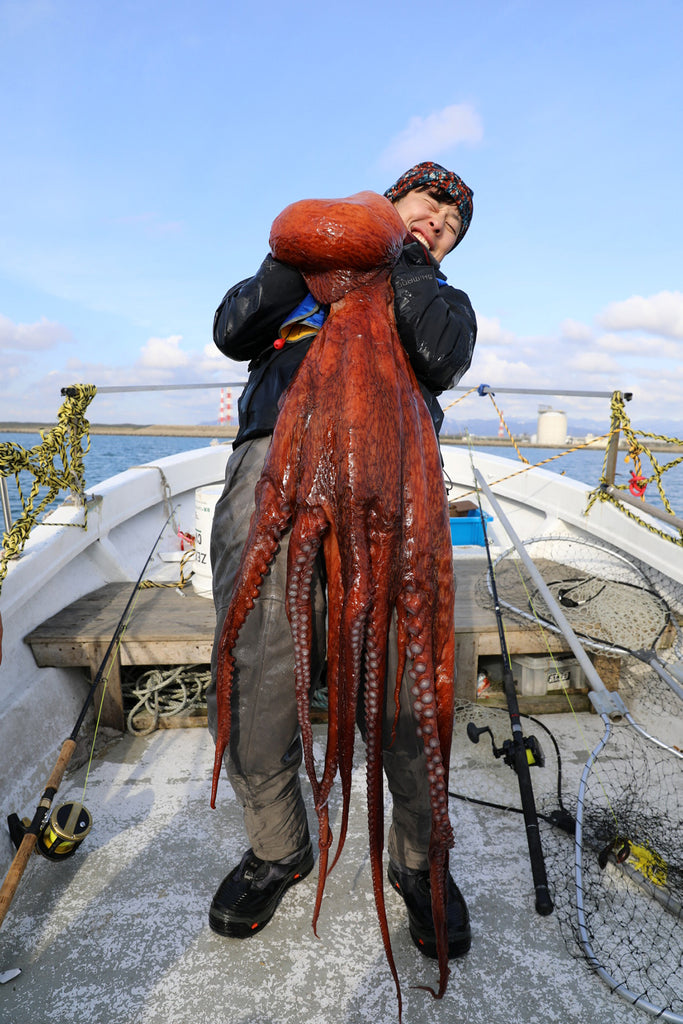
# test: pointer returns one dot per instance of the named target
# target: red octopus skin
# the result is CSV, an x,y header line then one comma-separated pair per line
x,y
354,467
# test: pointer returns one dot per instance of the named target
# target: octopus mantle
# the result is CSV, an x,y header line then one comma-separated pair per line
x,y
354,468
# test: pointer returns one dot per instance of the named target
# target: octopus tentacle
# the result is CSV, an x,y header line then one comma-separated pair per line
x,y
353,623
304,544
402,644
369,633
434,730
374,715
426,617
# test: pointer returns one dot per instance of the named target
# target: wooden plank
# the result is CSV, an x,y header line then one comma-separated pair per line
x,y
466,662
159,613
108,700
171,627
196,718
166,626
548,703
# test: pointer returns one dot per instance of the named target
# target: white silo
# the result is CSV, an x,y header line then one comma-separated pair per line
x,y
552,426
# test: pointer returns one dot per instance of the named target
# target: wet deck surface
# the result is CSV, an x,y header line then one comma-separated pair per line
x,y
119,934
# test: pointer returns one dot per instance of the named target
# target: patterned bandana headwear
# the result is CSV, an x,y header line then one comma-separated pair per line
x,y
425,174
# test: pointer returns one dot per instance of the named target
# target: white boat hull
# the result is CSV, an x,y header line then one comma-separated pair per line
x,y
62,562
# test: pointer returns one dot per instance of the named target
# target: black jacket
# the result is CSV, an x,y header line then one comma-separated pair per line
x,y
436,325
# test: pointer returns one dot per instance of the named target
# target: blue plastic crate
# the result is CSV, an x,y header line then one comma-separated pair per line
x,y
468,529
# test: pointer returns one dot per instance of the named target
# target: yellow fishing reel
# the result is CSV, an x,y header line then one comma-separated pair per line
x,y
61,833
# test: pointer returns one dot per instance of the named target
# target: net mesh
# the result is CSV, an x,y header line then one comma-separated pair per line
x,y
607,599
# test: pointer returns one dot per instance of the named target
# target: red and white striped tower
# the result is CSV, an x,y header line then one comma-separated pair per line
x,y
225,409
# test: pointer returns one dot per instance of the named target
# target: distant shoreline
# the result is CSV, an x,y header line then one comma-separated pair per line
x,y
223,431
228,432
133,429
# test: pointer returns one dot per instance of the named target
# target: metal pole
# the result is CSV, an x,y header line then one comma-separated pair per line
x,y
67,392
612,455
487,389
644,506
484,389
6,511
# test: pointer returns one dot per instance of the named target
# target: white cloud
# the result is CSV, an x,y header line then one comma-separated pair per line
x,y
574,330
163,353
213,354
490,332
488,368
661,314
427,137
211,363
595,363
38,336
620,345
646,347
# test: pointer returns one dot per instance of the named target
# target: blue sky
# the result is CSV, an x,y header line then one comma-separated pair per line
x,y
147,147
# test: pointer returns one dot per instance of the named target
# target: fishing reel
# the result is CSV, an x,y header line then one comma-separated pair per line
x,y
59,834
534,752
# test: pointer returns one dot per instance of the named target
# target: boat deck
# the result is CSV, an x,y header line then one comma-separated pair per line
x,y
119,934
169,626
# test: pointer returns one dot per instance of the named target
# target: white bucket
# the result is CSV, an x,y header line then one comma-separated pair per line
x,y
205,499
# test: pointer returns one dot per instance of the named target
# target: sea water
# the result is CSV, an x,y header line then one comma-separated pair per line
x,y
110,454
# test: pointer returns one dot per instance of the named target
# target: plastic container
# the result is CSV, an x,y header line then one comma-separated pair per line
x,y
468,529
538,674
205,499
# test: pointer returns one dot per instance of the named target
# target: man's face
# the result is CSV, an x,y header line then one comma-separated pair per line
x,y
434,223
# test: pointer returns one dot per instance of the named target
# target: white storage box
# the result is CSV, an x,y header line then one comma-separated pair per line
x,y
537,674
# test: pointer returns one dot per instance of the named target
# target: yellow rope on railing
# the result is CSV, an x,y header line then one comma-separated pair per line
x,y
56,464
620,422
507,429
456,401
536,465
500,417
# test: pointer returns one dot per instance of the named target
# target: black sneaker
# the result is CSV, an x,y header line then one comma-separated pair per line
x,y
248,897
415,889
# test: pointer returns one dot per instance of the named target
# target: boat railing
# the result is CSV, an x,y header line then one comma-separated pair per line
x,y
639,446
56,464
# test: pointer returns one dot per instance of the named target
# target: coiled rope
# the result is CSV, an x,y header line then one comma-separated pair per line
x,y
55,464
164,693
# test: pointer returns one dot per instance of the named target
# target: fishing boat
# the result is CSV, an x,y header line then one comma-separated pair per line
x,y
116,930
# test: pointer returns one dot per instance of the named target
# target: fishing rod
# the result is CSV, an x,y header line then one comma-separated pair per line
x,y
519,754
57,835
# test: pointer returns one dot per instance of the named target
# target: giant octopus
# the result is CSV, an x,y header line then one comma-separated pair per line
x,y
354,467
